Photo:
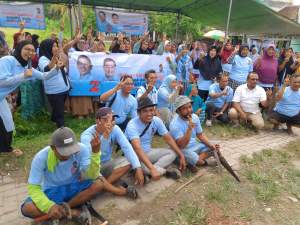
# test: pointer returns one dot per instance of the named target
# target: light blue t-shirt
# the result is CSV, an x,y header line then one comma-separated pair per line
x,y
220,101
136,127
56,84
116,136
178,128
203,84
11,76
289,105
123,106
163,98
65,172
241,67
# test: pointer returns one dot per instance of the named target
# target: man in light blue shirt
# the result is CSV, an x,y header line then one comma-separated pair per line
x,y
110,134
218,102
120,100
140,132
186,129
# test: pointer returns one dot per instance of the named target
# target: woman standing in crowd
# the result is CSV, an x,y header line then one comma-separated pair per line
x,y
254,54
167,94
266,67
226,52
242,65
14,71
285,63
198,104
57,87
209,67
32,94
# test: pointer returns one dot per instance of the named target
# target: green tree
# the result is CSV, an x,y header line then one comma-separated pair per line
x,y
166,23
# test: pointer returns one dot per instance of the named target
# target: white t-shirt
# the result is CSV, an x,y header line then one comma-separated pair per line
x,y
249,99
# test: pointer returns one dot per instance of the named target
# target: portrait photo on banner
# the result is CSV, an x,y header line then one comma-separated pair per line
x,y
120,20
91,74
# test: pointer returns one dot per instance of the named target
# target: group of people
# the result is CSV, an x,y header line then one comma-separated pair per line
x,y
225,84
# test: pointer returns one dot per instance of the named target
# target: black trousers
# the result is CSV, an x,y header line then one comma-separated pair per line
x,y
211,109
5,138
203,94
57,102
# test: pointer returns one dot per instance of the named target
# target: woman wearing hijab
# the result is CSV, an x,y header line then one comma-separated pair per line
x,y
167,94
242,65
57,87
199,106
209,67
14,70
254,54
285,63
32,94
226,52
266,67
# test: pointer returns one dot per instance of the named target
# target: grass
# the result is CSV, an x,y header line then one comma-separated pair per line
x,y
268,179
189,214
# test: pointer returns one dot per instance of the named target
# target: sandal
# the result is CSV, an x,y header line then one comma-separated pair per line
x,y
85,217
132,192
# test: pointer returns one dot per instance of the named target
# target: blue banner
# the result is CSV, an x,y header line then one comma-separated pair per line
x,y
121,21
92,74
32,14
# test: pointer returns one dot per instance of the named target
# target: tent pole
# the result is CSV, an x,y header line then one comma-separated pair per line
x,y
228,20
80,15
71,22
177,26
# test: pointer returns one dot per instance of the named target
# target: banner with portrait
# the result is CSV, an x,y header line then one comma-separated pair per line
x,y
92,74
121,21
32,14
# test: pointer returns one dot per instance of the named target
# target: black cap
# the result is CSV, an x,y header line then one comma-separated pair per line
x,y
145,103
104,111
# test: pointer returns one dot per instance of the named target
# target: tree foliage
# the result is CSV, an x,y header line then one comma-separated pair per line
x,y
188,28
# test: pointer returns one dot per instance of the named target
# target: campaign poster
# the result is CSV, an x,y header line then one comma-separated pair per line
x,y
92,74
119,21
32,14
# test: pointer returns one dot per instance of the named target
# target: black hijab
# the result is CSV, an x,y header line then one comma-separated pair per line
x,y
210,67
46,48
241,48
18,50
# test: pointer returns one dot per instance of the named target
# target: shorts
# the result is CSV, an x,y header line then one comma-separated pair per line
x,y
108,167
285,119
63,193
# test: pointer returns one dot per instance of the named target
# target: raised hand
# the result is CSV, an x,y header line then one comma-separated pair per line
x,y
28,73
95,143
191,124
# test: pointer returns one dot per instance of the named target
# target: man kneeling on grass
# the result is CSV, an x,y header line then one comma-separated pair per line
x,y
63,177
140,131
186,129
109,133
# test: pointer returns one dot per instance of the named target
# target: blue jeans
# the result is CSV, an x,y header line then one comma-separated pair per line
x,y
63,193
192,155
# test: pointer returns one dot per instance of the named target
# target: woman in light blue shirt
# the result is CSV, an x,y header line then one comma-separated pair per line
x,y
57,87
287,109
13,71
167,94
242,65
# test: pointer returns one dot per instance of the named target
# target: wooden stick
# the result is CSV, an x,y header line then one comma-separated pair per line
x,y
200,174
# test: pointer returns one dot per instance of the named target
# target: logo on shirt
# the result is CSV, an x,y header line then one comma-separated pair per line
x,y
74,168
